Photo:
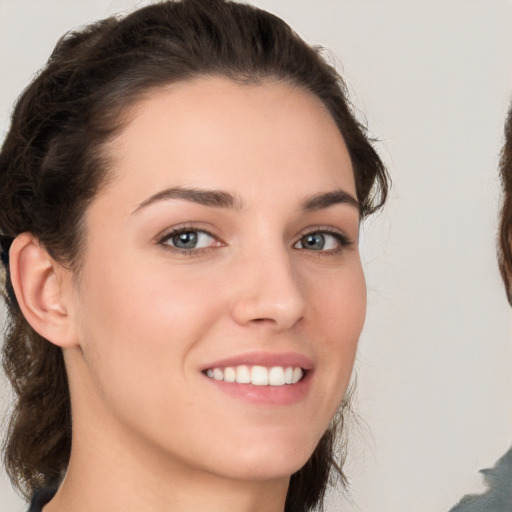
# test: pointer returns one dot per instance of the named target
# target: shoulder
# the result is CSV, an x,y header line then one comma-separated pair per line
x,y
498,497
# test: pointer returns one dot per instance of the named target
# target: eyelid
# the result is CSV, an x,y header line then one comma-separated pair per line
x,y
163,236
160,239
344,240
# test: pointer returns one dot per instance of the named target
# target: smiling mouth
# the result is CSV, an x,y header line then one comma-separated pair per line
x,y
257,375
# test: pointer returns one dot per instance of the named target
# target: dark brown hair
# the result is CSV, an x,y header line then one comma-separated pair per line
x,y
52,165
505,229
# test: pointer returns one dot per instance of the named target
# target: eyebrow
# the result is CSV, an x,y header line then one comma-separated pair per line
x,y
213,198
327,199
221,199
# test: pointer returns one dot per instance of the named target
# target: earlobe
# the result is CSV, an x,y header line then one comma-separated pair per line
x,y
42,290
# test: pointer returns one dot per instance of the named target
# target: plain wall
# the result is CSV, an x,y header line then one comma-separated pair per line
x,y
434,80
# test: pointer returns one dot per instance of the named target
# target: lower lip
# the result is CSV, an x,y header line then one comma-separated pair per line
x,y
266,395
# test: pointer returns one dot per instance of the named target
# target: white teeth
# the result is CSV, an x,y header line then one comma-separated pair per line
x,y
229,374
297,375
257,375
243,374
276,376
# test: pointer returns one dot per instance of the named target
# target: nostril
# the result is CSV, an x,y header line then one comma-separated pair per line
x,y
263,320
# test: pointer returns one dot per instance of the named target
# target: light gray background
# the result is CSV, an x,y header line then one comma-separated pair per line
x,y
433,79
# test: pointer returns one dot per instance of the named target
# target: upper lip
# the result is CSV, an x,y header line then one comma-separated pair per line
x,y
268,359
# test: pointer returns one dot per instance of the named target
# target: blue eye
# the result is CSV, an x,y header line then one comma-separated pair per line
x,y
321,241
189,239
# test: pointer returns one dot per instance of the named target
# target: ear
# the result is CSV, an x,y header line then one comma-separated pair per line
x,y
43,290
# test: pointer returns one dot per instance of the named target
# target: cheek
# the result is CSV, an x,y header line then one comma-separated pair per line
x,y
148,315
340,309
140,333
338,300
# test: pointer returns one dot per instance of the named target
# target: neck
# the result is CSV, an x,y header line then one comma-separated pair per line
x,y
83,494
110,471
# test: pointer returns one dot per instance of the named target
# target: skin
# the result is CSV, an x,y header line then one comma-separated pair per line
x,y
143,319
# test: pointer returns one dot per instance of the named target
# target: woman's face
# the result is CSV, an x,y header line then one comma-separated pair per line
x,y
224,247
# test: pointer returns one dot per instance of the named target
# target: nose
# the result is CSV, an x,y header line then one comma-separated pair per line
x,y
269,291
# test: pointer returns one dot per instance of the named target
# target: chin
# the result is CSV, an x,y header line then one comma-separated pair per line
x,y
269,460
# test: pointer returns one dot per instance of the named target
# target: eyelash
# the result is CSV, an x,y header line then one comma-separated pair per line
x,y
188,229
341,238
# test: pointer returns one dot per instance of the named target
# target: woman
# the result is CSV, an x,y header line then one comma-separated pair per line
x,y
182,194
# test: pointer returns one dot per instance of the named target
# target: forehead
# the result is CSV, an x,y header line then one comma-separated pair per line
x,y
214,132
